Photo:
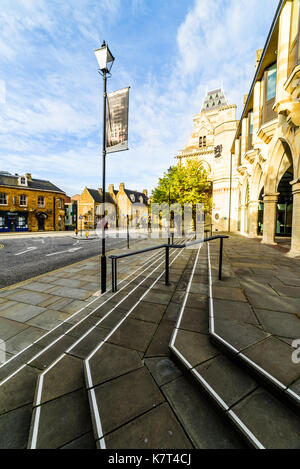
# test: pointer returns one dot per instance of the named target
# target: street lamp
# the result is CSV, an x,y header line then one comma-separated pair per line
x,y
169,173
105,61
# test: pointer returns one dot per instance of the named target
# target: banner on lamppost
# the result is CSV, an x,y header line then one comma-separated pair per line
x,y
117,121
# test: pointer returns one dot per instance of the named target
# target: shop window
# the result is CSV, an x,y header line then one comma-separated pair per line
x,y
3,199
21,223
41,202
2,223
23,201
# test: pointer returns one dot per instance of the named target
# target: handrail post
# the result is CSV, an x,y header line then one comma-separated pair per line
x,y
115,270
113,275
220,258
167,266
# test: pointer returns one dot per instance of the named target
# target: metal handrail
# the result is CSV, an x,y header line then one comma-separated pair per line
x,y
167,247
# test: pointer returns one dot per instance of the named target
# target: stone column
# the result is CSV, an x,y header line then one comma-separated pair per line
x,y
253,216
242,220
270,211
295,248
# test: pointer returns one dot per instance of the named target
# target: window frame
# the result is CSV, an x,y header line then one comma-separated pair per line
x,y
250,134
20,200
268,114
5,197
41,205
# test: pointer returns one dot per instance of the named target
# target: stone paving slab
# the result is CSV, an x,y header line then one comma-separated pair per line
x,y
125,398
273,298
157,429
206,428
76,421
263,411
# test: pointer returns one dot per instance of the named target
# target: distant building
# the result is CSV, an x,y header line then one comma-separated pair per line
x,y
210,142
131,203
70,214
28,204
119,204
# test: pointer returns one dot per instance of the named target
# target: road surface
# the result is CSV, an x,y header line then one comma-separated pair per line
x,y
27,257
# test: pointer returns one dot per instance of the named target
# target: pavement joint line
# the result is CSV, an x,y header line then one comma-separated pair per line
x,y
60,337
245,358
87,367
33,442
198,376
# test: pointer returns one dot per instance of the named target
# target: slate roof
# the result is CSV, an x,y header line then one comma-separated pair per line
x,y
214,99
98,197
7,179
137,196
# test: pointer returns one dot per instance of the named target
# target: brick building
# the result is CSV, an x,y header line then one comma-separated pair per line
x,y
119,203
28,204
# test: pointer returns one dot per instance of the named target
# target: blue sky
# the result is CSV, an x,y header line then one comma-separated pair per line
x,y
168,51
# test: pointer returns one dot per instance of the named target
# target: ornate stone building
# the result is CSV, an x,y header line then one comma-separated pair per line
x,y
265,179
210,142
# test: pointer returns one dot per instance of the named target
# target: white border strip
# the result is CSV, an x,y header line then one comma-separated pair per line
x,y
239,353
95,408
75,325
198,376
33,439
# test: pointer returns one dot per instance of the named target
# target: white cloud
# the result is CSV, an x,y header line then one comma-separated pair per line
x,y
50,124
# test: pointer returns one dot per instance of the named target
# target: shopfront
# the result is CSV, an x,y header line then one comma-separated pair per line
x,y
13,221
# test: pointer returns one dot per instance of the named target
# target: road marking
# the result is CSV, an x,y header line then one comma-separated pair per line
x,y
63,252
1,246
25,252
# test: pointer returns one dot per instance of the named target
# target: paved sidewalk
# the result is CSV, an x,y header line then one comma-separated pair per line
x,y
30,309
257,308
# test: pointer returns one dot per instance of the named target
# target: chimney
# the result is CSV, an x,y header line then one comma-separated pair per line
x,y
28,176
111,188
100,190
145,192
258,57
122,187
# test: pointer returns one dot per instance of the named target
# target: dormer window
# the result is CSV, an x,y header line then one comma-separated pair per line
x,y
141,200
132,198
22,181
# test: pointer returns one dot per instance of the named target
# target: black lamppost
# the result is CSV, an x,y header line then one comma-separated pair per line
x,y
105,60
169,173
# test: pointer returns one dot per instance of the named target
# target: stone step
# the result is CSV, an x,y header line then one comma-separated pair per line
x,y
77,337
264,421
61,389
252,335
136,389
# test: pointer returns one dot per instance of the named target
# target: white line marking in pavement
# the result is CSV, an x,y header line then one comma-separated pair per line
x,y
212,322
86,362
196,373
27,250
40,382
63,252
72,316
246,430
